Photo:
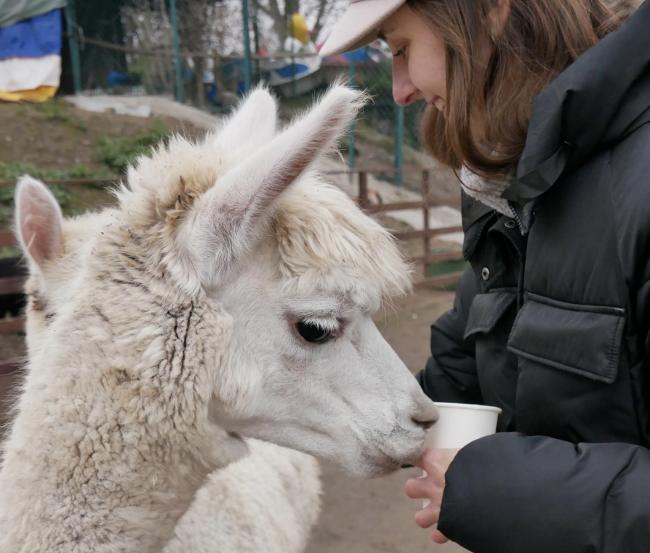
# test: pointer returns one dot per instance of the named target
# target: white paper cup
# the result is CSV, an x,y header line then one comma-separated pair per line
x,y
459,424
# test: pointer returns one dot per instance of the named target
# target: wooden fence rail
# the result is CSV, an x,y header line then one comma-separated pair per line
x,y
78,181
426,234
7,238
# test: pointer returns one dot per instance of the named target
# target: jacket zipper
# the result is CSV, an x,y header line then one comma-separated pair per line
x,y
518,220
522,258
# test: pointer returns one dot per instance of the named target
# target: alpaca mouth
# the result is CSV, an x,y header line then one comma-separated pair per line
x,y
381,462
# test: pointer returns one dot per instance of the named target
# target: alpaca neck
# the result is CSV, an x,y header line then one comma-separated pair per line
x,y
106,453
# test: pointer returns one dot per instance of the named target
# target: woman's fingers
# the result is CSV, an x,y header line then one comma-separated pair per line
x,y
435,464
431,486
427,517
418,488
440,459
439,537
423,488
429,458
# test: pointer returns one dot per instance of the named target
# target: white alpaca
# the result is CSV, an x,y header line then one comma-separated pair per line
x,y
265,502
230,291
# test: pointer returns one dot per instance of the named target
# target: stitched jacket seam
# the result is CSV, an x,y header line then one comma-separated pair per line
x,y
563,366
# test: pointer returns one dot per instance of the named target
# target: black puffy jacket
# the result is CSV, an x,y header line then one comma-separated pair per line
x,y
552,321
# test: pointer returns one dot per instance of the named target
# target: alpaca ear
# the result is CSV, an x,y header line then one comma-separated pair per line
x,y
230,217
252,125
38,221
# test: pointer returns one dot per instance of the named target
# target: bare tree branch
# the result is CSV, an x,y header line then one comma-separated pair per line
x,y
323,8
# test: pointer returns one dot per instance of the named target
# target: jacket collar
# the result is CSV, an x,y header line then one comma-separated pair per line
x,y
596,101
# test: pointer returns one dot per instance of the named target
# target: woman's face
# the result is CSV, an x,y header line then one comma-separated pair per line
x,y
419,66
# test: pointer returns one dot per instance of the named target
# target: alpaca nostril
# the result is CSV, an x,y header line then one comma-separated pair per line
x,y
425,424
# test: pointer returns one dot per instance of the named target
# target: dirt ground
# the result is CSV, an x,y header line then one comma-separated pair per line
x,y
58,135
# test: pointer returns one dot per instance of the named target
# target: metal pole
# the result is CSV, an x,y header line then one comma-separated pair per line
x,y
425,214
73,40
293,54
248,78
256,40
352,73
399,145
176,47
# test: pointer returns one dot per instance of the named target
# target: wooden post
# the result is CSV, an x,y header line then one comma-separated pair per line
x,y
352,142
363,189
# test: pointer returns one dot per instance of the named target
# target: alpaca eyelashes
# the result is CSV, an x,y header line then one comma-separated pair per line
x,y
315,332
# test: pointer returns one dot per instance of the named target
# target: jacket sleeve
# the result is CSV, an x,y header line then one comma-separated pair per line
x,y
508,493
450,373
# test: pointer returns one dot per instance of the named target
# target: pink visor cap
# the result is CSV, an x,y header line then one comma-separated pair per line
x,y
358,26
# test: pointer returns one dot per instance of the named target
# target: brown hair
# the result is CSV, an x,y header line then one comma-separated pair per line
x,y
489,104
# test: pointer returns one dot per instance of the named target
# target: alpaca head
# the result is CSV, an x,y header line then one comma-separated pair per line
x,y
242,221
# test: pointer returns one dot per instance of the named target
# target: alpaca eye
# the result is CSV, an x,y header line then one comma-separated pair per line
x,y
314,333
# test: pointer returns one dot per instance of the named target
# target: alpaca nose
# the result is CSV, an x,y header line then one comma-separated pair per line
x,y
424,422
426,413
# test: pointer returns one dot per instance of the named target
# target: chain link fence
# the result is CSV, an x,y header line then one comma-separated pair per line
x,y
196,52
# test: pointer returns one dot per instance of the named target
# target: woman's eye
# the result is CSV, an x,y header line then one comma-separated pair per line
x,y
313,333
399,53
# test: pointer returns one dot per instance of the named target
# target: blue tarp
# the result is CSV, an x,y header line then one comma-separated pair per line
x,y
360,55
32,38
292,70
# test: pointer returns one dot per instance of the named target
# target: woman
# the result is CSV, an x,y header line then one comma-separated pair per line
x,y
543,106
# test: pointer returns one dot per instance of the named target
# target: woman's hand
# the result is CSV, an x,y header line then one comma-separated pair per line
x,y
435,463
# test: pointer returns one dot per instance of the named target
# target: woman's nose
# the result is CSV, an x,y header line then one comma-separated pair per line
x,y
404,92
